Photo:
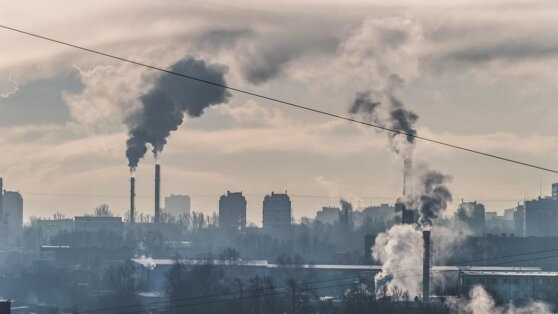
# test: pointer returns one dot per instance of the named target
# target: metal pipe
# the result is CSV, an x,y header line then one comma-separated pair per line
x,y
426,267
132,200
157,192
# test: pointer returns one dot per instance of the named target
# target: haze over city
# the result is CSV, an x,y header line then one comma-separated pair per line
x,y
62,110
358,138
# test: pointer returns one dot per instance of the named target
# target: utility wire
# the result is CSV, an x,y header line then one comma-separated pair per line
x,y
343,278
291,104
302,289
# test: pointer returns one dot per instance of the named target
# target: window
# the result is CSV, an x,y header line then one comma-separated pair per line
x,y
481,281
505,281
539,281
493,281
516,281
468,281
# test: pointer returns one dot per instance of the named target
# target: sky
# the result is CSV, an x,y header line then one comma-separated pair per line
x,y
478,74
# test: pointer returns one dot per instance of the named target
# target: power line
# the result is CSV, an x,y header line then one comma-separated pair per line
x,y
399,271
273,99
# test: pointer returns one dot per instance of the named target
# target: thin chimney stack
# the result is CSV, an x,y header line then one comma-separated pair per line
x,y
132,200
157,193
426,267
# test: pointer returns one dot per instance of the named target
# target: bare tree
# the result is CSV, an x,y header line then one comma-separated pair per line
x,y
58,216
102,211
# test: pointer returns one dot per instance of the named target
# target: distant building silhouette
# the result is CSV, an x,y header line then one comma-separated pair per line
x,y
472,216
541,217
382,214
328,215
94,224
277,214
176,205
49,228
232,211
519,220
409,216
13,215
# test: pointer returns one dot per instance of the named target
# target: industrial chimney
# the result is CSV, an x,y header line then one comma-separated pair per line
x,y
426,266
157,192
132,199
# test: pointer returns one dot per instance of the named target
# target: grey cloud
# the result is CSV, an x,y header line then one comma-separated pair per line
x,y
40,101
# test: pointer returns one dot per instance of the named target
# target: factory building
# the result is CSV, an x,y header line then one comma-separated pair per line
x,y
95,224
232,211
11,216
277,214
518,287
177,205
49,228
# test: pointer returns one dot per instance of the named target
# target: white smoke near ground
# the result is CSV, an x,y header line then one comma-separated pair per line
x,y
480,302
147,262
400,251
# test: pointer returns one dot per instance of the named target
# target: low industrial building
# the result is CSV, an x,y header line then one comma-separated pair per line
x,y
518,287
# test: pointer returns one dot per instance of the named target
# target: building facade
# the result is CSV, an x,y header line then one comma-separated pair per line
x,y
96,224
519,221
177,205
13,215
277,214
232,211
328,215
541,217
472,216
518,287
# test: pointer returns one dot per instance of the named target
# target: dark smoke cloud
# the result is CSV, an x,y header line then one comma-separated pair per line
x,y
399,118
163,107
363,103
434,196
403,120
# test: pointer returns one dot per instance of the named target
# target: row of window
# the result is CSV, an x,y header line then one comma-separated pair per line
x,y
505,281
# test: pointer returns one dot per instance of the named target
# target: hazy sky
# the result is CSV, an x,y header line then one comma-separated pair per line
x,y
481,75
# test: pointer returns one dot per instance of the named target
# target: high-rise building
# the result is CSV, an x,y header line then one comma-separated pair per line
x,y
541,217
472,216
13,214
519,220
176,205
277,214
232,211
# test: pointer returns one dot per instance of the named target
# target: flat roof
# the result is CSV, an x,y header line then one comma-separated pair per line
x,y
510,273
264,263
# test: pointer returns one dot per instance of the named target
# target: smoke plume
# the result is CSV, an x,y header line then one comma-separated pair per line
x,y
400,251
368,104
164,106
480,302
434,196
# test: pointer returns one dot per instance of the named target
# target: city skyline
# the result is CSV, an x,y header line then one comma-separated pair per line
x,y
66,107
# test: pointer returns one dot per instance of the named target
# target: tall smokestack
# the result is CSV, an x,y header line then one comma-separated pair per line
x,y
132,200
157,192
426,266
